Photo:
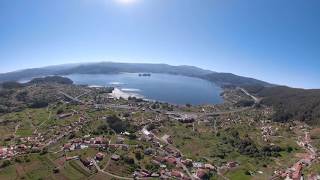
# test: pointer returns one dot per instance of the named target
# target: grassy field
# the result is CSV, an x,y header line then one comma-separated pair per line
x,y
89,152
8,173
35,167
73,172
238,174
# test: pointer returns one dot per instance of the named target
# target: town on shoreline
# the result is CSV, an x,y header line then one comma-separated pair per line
x,y
97,133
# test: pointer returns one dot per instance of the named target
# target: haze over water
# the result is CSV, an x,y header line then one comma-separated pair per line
x,y
174,89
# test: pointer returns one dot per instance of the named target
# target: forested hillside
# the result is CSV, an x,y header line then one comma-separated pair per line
x,y
290,103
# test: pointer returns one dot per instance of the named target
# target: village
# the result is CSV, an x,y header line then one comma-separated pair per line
x,y
93,132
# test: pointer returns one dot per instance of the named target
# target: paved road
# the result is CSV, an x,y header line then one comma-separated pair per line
x,y
72,98
146,132
256,100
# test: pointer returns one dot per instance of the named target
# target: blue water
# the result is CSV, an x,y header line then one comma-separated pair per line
x,y
161,87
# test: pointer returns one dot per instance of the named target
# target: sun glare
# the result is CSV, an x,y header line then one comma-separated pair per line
x,y
126,2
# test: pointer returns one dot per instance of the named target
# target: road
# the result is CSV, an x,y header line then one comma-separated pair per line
x,y
83,94
76,99
256,100
16,129
49,116
227,112
146,132
72,98
109,174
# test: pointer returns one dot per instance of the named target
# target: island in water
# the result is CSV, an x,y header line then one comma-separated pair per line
x,y
145,74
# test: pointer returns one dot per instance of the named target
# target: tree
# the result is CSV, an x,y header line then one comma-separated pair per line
x,y
56,170
289,149
5,163
39,103
138,155
128,160
22,96
117,124
60,111
152,167
44,151
103,128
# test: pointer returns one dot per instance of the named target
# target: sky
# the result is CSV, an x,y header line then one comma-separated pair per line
x,y
272,40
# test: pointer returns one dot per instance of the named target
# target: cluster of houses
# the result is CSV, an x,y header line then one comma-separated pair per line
x,y
99,142
295,172
26,145
183,118
169,160
172,164
173,167
39,141
266,132
7,152
87,141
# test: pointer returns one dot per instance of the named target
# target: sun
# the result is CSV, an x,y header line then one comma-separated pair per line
x,y
126,2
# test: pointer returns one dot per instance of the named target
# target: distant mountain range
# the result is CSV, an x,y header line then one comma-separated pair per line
x,y
222,79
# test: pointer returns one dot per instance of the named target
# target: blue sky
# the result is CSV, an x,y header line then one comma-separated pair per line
x,y
275,40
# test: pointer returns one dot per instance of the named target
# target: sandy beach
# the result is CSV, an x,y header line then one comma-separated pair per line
x,y
118,93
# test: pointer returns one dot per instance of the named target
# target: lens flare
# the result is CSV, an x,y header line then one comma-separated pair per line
x,y
126,2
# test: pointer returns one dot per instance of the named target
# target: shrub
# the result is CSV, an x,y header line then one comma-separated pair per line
x,y
5,163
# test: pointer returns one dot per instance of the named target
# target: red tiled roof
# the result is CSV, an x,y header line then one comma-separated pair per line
x,y
297,173
171,160
67,146
176,173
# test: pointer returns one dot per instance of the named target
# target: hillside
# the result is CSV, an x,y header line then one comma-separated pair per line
x,y
51,79
228,79
39,92
112,68
290,103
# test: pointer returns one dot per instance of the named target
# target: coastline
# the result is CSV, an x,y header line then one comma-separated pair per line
x,y
118,93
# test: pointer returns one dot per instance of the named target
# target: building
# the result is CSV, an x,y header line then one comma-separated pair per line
x,y
67,147
99,156
176,174
171,160
232,164
62,116
296,175
115,157
201,174
210,167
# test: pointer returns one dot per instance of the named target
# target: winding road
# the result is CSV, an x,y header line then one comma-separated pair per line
x,y
146,132
256,100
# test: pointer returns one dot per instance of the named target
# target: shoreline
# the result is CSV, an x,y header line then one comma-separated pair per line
x,y
118,93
